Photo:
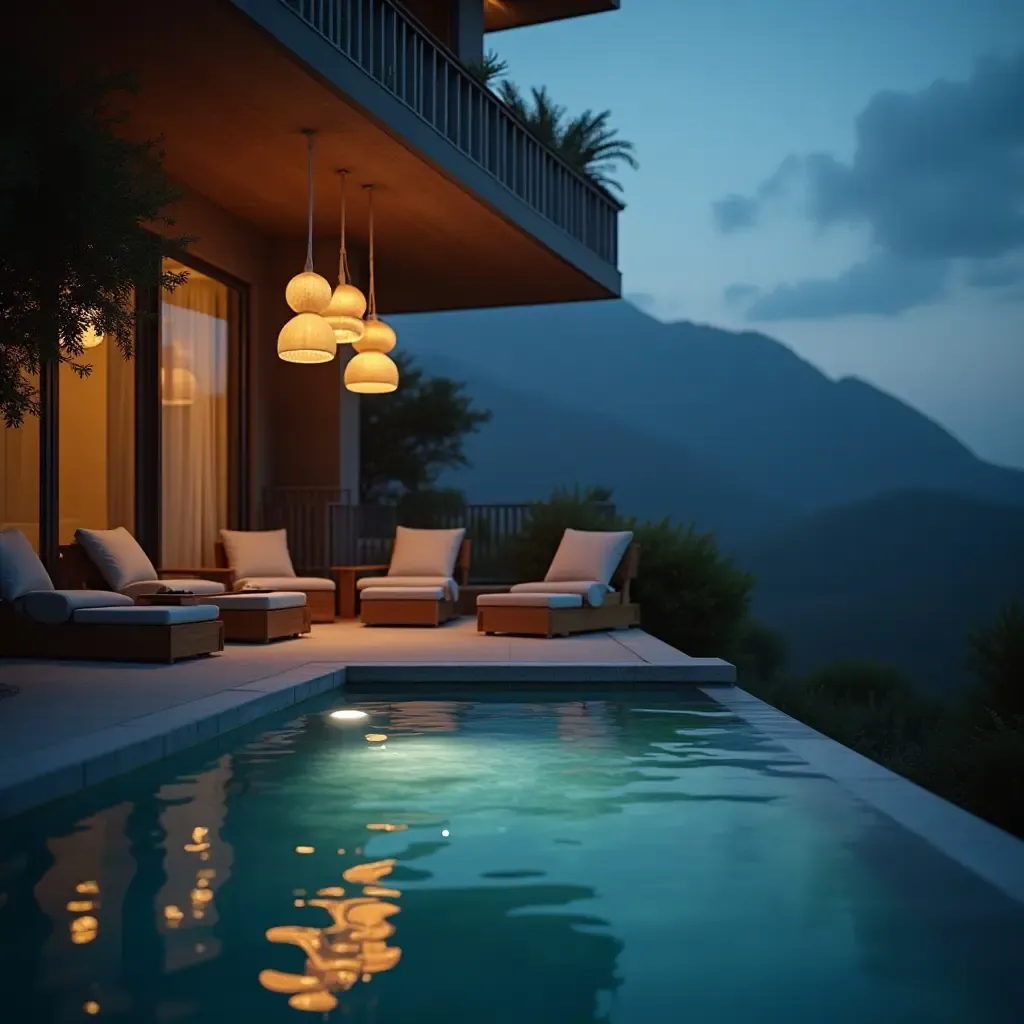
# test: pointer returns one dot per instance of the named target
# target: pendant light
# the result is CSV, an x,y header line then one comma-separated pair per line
x,y
348,304
307,337
177,382
372,371
90,339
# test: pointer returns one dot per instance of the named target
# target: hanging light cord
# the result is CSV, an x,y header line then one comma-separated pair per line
x,y
372,298
309,212
344,275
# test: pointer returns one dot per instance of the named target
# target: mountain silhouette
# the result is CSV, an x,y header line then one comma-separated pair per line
x,y
741,404
900,579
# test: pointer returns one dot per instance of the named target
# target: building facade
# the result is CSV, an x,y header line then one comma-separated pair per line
x,y
206,424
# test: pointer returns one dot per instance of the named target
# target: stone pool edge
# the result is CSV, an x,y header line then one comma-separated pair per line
x,y
65,768
974,844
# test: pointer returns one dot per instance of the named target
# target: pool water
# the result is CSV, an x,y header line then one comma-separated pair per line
x,y
468,860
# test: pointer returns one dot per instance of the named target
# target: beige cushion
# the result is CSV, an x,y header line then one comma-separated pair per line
x,y
21,572
425,552
403,594
260,602
53,607
117,556
288,583
588,555
450,587
147,615
204,588
529,601
591,592
258,552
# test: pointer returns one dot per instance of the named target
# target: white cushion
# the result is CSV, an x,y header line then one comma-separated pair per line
x,y
147,615
204,588
117,555
591,592
260,602
511,600
425,552
288,583
21,572
53,607
403,594
450,587
588,555
257,552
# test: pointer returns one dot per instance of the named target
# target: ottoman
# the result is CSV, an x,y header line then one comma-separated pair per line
x,y
260,618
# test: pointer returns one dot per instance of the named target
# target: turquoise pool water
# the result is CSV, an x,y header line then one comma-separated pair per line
x,y
533,861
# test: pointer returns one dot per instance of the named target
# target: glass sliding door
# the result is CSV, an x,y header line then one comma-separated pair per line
x,y
96,432
195,333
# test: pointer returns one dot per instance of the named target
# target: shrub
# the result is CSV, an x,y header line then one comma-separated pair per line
x,y
996,659
761,652
691,595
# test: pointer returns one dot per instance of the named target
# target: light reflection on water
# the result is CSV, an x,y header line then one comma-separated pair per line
x,y
565,861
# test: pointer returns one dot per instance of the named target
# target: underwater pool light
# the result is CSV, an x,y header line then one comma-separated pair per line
x,y
349,714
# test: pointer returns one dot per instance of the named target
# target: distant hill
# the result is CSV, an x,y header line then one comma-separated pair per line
x,y
532,446
741,405
899,578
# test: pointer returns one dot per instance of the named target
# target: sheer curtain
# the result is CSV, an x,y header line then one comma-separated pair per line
x,y
193,380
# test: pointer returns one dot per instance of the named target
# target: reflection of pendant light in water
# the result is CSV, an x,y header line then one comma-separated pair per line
x,y
307,337
177,381
372,371
345,311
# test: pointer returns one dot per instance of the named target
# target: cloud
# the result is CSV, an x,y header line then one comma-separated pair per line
x,y
738,294
644,301
986,274
878,286
937,175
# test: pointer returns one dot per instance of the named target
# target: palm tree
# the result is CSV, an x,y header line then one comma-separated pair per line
x,y
585,142
489,69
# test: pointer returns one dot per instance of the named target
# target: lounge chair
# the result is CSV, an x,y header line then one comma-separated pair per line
x,y
260,558
586,588
114,558
420,588
38,621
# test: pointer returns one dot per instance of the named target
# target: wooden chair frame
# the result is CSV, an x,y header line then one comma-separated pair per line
x,y
397,613
616,612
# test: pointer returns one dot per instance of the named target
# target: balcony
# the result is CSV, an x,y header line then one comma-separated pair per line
x,y
400,56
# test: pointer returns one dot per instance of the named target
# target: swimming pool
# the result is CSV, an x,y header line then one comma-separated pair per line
x,y
621,860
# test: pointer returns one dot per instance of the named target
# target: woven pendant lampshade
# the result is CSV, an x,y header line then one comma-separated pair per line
x,y
371,371
177,386
90,339
307,337
348,304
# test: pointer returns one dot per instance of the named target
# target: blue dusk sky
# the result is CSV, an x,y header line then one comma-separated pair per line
x,y
844,175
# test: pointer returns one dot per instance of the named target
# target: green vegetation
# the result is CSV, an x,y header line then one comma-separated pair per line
x,y
77,206
585,141
408,438
693,597
969,750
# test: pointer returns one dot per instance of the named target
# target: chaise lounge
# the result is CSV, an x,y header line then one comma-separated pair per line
x,y
260,559
586,588
39,621
420,586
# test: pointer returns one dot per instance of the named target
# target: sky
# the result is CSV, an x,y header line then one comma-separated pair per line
x,y
844,175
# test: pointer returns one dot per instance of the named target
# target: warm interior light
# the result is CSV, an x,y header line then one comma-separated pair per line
x,y
307,337
349,714
178,387
90,339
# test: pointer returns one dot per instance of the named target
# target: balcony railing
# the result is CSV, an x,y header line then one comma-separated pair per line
x,y
323,530
405,59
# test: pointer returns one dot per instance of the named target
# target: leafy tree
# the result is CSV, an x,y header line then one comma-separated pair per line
x,y
996,657
761,652
409,437
77,204
586,141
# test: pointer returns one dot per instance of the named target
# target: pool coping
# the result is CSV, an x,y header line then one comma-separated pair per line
x,y
982,848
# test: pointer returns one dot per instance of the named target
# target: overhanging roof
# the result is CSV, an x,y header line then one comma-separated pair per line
x,y
503,14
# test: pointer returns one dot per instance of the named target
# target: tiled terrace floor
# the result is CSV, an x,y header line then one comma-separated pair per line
x,y
75,723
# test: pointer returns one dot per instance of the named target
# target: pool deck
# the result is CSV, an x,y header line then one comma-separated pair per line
x,y
74,724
